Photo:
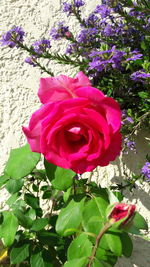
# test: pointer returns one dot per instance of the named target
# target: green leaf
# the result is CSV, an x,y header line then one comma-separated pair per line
x,y
106,255
60,178
39,224
36,259
114,242
63,178
112,197
24,220
11,200
14,186
50,169
47,258
139,222
127,245
97,263
94,215
48,238
69,218
21,162
47,194
8,228
3,180
66,194
19,253
32,201
82,262
79,247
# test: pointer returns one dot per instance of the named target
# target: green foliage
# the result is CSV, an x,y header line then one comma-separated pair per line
x,y
19,252
21,162
60,178
79,247
70,218
77,262
8,228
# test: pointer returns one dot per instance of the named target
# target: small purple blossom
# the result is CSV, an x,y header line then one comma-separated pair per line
x,y
129,144
31,61
106,59
140,76
11,37
79,3
87,35
146,170
134,56
60,32
67,8
103,10
72,48
126,118
41,46
92,21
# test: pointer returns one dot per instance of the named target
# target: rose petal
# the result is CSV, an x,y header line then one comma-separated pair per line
x,y
61,87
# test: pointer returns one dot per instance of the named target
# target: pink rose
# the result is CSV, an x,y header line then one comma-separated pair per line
x,y
78,127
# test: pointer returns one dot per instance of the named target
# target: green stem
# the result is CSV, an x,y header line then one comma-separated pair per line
x,y
43,68
101,233
57,57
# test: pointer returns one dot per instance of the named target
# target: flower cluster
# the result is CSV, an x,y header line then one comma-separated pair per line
x,y
11,37
146,170
41,46
60,32
140,76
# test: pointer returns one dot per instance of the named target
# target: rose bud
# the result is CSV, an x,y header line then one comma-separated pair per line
x,y
121,213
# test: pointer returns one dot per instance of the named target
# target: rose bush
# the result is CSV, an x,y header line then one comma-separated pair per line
x,y
78,127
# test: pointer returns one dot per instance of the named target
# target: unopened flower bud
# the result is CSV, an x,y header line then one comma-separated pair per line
x,y
122,213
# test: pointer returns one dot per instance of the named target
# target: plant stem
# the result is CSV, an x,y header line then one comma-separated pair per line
x,y
43,68
101,233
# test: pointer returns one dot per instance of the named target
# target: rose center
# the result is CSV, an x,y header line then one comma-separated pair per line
x,y
74,133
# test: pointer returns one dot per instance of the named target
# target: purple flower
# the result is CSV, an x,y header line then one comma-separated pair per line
x,y
108,30
146,170
72,48
67,8
31,61
126,118
140,76
79,3
98,64
92,21
41,46
129,145
106,59
134,56
117,58
86,36
12,36
103,10
60,32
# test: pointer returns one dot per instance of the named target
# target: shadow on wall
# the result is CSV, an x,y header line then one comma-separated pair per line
x,y
140,255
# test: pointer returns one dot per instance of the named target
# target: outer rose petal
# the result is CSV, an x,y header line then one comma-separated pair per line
x,y
61,87
33,132
113,151
112,112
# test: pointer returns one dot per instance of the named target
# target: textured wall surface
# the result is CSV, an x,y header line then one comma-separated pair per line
x,y
18,99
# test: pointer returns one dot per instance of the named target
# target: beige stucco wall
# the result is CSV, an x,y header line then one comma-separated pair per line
x,y
18,99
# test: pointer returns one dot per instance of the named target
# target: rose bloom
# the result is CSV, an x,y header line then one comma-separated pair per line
x,y
77,127
121,211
